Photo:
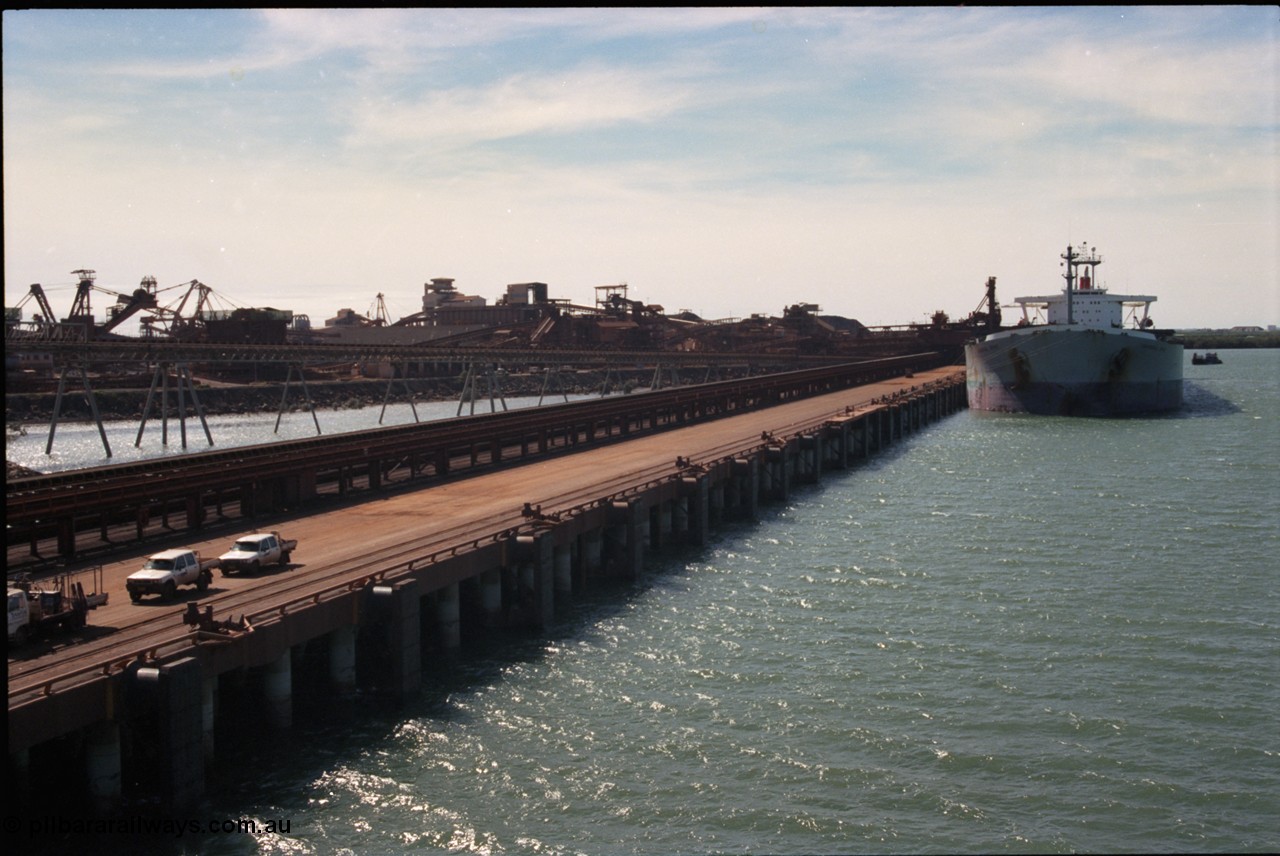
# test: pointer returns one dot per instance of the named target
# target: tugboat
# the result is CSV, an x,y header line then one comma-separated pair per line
x,y
1210,358
1081,359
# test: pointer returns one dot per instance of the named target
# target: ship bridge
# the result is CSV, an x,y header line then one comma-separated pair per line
x,y
1090,307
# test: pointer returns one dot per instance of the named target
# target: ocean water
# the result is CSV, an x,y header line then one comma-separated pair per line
x,y
76,445
1006,634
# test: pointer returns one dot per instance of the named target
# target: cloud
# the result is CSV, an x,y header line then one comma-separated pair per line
x,y
580,99
1229,86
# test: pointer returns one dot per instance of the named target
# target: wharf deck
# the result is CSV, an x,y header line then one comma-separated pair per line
x,y
433,537
60,516
477,506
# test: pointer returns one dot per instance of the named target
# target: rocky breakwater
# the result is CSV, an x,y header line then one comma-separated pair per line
x,y
14,471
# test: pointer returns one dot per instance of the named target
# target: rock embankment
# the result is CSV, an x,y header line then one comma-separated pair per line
x,y
13,471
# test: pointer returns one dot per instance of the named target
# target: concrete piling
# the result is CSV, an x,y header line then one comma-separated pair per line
x,y
449,618
342,660
277,690
102,765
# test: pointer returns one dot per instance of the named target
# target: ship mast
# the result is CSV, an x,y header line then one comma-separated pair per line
x,y
1074,258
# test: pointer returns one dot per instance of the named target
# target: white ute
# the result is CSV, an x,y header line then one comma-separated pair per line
x,y
164,572
251,552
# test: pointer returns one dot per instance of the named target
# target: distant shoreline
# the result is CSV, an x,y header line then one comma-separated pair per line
x,y
1225,340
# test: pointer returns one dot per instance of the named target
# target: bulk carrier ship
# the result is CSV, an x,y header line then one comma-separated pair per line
x,y
1082,360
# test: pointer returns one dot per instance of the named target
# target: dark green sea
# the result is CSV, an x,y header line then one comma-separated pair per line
x,y
1006,634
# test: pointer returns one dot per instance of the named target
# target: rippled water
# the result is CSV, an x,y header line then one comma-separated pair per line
x,y
1008,633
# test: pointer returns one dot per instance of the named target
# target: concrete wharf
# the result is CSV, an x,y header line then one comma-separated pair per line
x,y
379,590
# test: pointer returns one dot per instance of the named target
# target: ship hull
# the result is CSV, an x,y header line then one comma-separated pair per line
x,y
1073,372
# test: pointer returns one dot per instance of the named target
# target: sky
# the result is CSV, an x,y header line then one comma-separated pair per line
x,y
878,162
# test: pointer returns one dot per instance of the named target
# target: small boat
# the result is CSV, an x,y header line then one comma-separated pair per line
x,y
1209,358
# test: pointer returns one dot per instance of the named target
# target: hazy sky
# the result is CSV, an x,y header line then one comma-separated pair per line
x,y
881,163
